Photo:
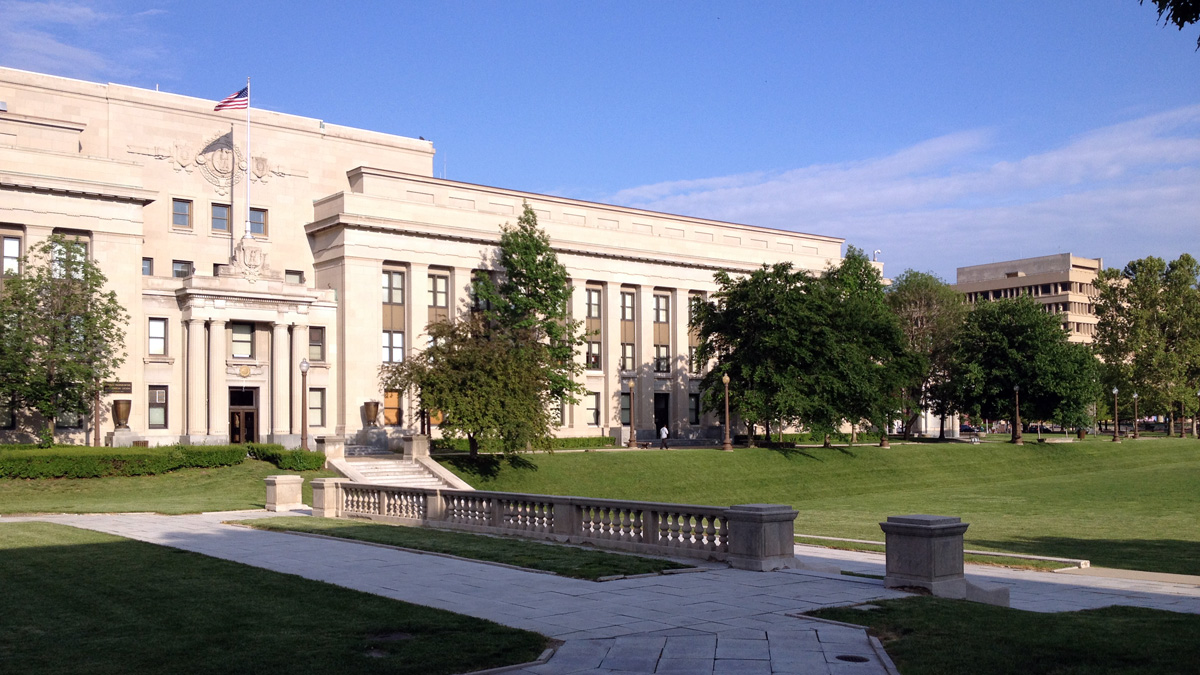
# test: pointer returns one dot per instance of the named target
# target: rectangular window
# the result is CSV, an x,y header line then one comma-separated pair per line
x,y
593,303
662,307
625,408
12,256
316,407
68,420
293,277
147,267
243,340
627,356
662,359
392,416
439,290
181,268
593,356
157,411
626,306
393,346
393,288
181,213
693,409
157,333
593,408
316,343
258,222
220,218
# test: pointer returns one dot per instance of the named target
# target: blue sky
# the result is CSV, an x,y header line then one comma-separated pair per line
x,y
942,133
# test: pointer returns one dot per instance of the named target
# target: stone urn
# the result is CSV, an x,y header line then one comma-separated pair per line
x,y
371,409
120,412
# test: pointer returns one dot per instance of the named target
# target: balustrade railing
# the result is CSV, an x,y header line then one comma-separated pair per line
x,y
735,533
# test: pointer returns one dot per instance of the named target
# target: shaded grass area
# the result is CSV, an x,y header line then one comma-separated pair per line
x,y
181,491
934,636
1126,505
568,561
77,601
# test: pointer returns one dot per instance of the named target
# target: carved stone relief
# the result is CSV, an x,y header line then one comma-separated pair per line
x,y
219,160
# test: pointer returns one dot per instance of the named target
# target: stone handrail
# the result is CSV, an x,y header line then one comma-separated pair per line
x,y
748,536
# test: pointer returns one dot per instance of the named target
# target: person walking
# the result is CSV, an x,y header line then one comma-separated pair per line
x,y
662,435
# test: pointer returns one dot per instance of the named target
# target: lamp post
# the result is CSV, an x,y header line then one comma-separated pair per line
x,y
1116,419
632,407
728,445
1016,434
304,404
1135,416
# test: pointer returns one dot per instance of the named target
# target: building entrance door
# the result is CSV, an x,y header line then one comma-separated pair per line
x,y
243,414
662,408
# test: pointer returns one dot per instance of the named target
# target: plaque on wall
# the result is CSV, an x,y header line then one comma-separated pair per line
x,y
118,387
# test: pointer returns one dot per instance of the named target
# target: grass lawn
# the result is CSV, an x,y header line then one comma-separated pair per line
x,y
76,601
932,636
565,560
1130,505
182,491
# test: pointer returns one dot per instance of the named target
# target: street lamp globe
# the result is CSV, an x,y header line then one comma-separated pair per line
x,y
304,365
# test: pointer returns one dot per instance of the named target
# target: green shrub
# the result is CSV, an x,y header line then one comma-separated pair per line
x,y
460,444
25,461
288,460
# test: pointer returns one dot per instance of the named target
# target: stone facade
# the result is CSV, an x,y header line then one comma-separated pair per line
x,y
227,297
1063,283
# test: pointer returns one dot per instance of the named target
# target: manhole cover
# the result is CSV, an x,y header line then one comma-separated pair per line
x,y
852,658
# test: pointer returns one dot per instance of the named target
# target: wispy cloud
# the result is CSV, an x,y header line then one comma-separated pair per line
x,y
77,39
1120,192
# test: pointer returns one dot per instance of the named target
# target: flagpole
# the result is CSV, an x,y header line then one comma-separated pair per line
x,y
232,183
248,159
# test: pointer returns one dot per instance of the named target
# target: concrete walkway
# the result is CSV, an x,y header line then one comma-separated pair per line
x,y
716,620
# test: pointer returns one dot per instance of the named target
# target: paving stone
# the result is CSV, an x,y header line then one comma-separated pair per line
x,y
690,647
685,666
741,667
740,648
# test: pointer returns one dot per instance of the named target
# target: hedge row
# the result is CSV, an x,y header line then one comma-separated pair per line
x,y
288,460
87,462
460,444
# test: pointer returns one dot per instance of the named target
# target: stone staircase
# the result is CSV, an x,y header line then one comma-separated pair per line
x,y
367,464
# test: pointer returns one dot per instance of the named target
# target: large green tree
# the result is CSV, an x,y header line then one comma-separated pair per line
x,y
489,389
61,333
1004,344
534,294
803,349
1148,333
930,313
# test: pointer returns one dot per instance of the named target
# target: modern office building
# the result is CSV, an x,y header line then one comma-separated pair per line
x,y
348,246
1063,283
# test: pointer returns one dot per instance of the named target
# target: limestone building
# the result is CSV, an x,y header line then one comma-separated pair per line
x,y
1063,283
347,248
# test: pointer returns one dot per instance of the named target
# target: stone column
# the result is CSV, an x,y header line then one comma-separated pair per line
x,y
298,398
197,423
925,551
644,330
327,497
761,536
283,492
280,377
416,302
460,291
610,352
581,420
218,387
679,359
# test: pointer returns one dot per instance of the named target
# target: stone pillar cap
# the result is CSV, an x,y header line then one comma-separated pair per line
x,y
921,519
284,479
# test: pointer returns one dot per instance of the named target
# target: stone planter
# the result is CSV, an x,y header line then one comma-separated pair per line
x,y
371,410
120,412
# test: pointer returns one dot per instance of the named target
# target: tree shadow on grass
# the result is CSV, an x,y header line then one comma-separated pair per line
x,y
487,466
1173,556
792,452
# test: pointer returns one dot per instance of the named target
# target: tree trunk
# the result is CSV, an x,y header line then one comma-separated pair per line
x,y
942,428
827,443
853,434
473,444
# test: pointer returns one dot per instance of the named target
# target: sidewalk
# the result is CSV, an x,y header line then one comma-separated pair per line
x,y
717,620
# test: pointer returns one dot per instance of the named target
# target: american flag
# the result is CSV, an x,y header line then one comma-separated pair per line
x,y
238,101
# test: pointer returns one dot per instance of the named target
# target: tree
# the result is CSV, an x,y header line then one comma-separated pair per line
x,y
1148,331
489,390
802,349
930,313
534,295
1015,343
61,333
1179,12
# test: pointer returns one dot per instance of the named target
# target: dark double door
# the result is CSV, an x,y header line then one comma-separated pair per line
x,y
243,415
